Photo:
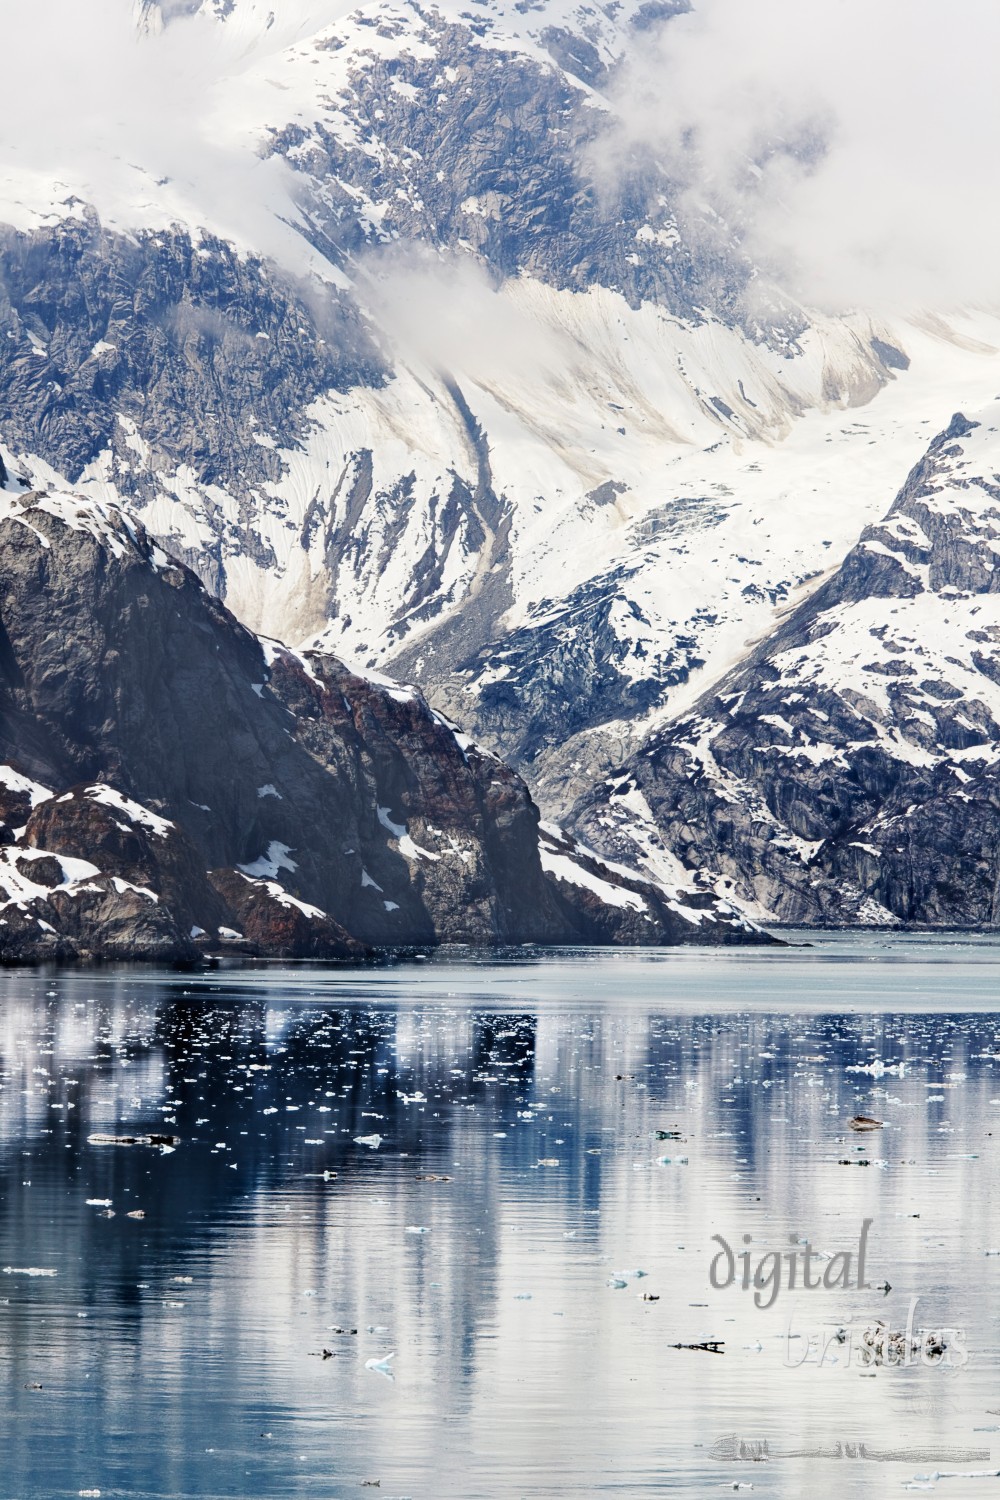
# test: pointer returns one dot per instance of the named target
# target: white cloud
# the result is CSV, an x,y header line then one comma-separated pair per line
x,y
141,121
442,312
900,208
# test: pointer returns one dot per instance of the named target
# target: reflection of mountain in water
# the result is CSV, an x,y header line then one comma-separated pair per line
x,y
267,1096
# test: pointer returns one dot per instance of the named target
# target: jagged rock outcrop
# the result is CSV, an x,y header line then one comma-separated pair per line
x,y
459,143
167,348
849,770
168,780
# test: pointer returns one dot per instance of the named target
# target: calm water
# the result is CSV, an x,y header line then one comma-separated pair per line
x,y
222,1344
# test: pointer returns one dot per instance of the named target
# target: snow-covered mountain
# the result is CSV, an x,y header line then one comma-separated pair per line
x,y
847,771
382,353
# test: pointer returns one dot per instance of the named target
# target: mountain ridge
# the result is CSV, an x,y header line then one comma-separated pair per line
x,y
168,777
846,770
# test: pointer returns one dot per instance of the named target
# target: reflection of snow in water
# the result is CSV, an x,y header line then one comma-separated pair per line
x,y
522,1109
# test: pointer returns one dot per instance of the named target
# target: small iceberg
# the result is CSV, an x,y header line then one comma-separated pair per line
x,y
381,1366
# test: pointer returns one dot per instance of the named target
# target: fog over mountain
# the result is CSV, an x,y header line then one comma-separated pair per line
x,y
853,146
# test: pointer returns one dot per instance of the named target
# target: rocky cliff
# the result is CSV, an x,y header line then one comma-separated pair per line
x,y
170,782
848,770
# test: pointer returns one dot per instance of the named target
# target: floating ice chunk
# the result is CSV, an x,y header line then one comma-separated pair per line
x,y
374,1141
381,1366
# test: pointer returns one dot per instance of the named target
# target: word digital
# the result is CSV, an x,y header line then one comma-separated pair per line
x,y
767,1273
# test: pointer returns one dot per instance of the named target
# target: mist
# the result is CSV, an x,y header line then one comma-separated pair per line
x,y
853,145
136,119
442,311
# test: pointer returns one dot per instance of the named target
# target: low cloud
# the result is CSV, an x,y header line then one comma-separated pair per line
x,y
443,312
114,108
853,145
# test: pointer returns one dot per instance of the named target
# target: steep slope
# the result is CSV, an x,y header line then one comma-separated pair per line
x,y
437,399
167,777
849,769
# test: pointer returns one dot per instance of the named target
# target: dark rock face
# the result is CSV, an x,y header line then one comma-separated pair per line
x,y
150,853
848,771
272,922
333,812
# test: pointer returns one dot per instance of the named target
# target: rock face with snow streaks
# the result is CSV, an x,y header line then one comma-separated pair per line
x,y
849,769
168,780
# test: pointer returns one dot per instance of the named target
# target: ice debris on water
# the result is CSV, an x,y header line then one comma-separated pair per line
x,y
374,1141
165,1142
382,1366
928,1481
417,1229
28,1271
878,1069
